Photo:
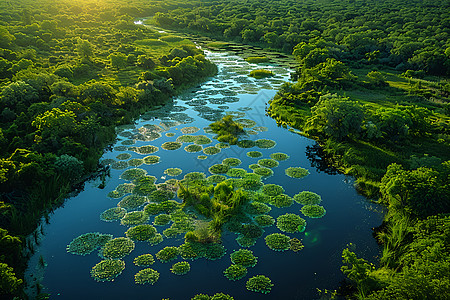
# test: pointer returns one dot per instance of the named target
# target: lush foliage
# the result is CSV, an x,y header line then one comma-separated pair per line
x,y
259,283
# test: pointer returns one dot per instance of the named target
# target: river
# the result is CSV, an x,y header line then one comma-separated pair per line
x,y
296,275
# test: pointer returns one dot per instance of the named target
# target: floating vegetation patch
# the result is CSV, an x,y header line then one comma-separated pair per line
x,y
268,163
161,195
141,232
173,171
313,211
186,139
119,165
144,185
211,150
117,248
259,284
307,198
264,172
193,148
180,268
296,172
251,183
279,156
222,145
113,214
219,169
216,178
135,162
132,174
260,128
134,218
202,140
146,276
187,130
202,157
167,254
127,142
235,272
108,161
171,145
123,156
148,149
278,242
246,123
154,128
245,144
144,260
194,250
115,194
265,220
132,202
252,231
231,161
88,242
161,220
254,167
194,176
257,208
125,188
281,201
272,189
155,240
260,197
170,134
291,223
151,159
237,172
265,143
244,258
107,270
296,245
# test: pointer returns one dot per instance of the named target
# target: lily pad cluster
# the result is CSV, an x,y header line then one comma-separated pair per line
x,y
279,156
144,260
107,270
151,159
265,143
134,218
141,232
180,268
296,172
132,174
313,211
307,198
88,242
117,248
173,171
167,254
192,250
235,272
132,202
278,242
260,284
171,145
254,154
146,276
291,223
113,214
232,162
244,257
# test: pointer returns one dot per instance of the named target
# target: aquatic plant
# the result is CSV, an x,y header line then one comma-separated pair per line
x,y
313,211
296,172
291,223
186,138
260,284
219,169
180,268
257,59
193,148
279,156
151,159
264,172
268,163
88,242
296,245
216,178
162,220
235,272
265,143
170,134
125,188
246,123
191,129
123,156
160,195
115,194
217,296
211,150
146,276
231,161
202,157
214,251
282,200
141,232
264,220
132,202
254,154
201,297
134,218
260,128
109,161
148,149
227,130
155,240
257,208
132,174
245,144
144,185
173,171
202,140
119,165
278,242
167,254
194,176
272,189
251,183
171,145
117,248
236,172
135,162
222,145
254,167
307,198
252,231
144,260
244,258
113,214
259,197
107,270
127,142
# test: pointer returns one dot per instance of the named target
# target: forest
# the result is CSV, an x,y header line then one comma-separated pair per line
x,y
371,87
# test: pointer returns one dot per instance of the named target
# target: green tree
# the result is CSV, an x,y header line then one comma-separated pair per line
x,y
84,49
118,60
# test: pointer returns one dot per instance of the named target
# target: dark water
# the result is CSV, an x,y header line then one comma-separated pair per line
x,y
349,216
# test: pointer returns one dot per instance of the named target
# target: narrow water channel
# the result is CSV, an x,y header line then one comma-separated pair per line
x,y
295,275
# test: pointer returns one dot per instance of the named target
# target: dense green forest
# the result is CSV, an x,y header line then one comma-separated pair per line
x,y
372,88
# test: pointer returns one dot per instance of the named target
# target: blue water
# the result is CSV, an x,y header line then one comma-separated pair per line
x,y
349,217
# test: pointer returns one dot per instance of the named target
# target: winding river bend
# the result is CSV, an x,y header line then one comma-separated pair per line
x,y
295,275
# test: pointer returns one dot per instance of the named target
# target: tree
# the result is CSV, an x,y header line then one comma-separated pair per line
x,y
6,38
376,78
9,283
118,60
84,49
56,122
